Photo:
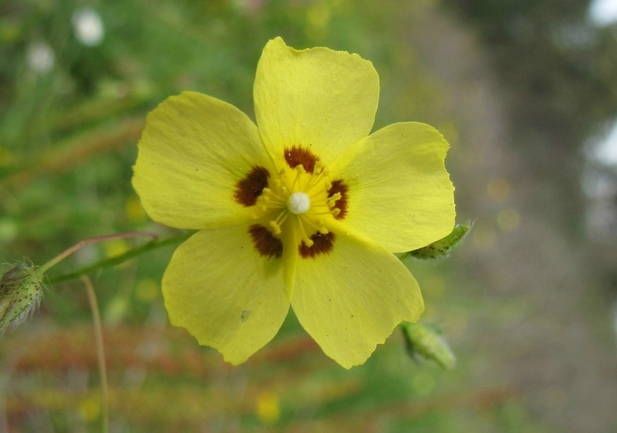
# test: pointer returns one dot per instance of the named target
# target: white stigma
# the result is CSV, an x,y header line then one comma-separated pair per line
x,y
298,202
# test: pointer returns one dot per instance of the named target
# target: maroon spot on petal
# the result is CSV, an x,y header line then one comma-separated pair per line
x,y
322,244
251,186
299,155
341,203
266,244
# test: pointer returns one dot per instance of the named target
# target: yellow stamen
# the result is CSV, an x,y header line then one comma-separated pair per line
x,y
319,173
299,171
317,225
307,241
332,200
303,195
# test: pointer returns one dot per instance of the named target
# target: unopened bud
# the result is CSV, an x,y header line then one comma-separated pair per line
x,y
21,289
426,341
442,247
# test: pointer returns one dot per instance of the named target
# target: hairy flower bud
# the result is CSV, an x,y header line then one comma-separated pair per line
x,y
442,247
426,341
21,289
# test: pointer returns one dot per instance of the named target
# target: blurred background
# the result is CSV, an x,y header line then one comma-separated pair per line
x,y
526,93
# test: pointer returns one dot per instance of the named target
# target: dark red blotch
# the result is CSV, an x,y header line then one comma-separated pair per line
x,y
322,244
251,186
266,244
341,203
299,155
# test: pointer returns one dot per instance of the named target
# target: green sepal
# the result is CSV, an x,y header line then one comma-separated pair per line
x,y
442,247
426,341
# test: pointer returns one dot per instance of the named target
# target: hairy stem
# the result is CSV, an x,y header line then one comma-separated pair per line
x,y
79,245
113,261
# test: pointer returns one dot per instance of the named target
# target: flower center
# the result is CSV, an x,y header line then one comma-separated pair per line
x,y
293,205
299,202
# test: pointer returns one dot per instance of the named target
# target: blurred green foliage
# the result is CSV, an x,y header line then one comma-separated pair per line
x,y
558,79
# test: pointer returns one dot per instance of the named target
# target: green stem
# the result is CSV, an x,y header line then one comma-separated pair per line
x,y
79,245
100,350
113,261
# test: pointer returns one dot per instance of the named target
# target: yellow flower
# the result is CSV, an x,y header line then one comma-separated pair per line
x,y
303,209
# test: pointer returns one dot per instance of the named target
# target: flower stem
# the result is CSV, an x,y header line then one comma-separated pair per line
x,y
100,350
112,261
79,245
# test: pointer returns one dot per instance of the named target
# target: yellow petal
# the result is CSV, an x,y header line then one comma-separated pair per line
x,y
193,152
350,300
319,98
224,293
400,194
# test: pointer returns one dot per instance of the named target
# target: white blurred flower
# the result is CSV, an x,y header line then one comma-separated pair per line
x,y
603,148
40,57
88,27
603,12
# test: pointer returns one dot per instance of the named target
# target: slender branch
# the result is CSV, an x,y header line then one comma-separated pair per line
x,y
113,261
100,350
79,245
